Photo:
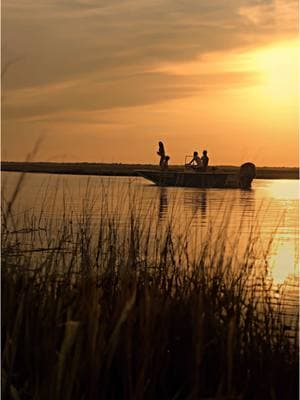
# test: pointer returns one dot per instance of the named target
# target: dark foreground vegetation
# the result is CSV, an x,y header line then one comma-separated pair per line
x,y
124,312
129,169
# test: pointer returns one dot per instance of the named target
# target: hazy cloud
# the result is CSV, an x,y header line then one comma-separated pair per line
x,y
60,40
84,55
133,90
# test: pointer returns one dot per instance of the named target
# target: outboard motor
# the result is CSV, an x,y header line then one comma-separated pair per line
x,y
247,174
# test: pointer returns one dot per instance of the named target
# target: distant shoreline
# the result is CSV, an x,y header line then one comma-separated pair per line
x,y
103,169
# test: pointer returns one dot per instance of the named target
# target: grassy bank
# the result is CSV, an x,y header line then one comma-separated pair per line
x,y
129,169
124,311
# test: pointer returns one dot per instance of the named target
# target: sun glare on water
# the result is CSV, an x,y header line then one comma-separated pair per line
x,y
285,261
288,192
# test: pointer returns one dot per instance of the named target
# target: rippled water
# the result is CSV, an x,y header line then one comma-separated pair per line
x,y
270,210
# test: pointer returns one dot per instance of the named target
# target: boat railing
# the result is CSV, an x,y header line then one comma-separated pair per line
x,y
187,159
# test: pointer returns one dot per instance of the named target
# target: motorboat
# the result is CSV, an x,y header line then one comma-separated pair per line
x,y
212,177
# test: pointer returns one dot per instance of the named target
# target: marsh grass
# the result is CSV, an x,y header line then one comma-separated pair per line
x,y
123,309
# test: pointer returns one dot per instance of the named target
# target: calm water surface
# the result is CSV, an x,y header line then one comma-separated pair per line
x,y
270,210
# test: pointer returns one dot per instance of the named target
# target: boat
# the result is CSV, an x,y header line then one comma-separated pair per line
x,y
211,178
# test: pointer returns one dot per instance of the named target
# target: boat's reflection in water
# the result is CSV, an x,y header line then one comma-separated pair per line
x,y
194,204
197,200
163,203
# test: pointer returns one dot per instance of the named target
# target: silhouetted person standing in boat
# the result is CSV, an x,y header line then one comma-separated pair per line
x,y
161,153
165,164
204,160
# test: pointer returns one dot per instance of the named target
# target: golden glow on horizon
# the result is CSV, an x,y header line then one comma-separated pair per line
x,y
275,66
278,67
246,99
250,94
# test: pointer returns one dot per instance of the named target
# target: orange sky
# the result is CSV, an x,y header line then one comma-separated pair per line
x,y
103,81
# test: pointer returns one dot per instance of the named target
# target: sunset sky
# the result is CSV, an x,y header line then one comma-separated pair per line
x,y
105,80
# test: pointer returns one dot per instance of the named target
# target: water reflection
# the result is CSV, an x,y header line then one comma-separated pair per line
x,y
247,201
283,189
284,261
163,203
271,205
195,202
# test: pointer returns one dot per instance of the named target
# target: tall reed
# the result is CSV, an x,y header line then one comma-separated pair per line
x,y
127,308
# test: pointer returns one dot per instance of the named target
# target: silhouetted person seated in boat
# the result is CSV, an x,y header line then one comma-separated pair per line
x,y
204,160
165,164
161,153
195,162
